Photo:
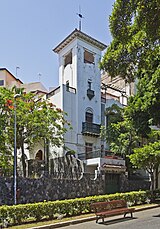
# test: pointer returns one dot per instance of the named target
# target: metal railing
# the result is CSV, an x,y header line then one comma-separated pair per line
x,y
71,89
90,128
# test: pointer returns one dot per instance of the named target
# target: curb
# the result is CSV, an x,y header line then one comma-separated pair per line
x,y
147,208
64,224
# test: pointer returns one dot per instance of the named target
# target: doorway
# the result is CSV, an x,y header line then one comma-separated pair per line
x,y
112,183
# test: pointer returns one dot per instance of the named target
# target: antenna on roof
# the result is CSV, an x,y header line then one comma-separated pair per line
x,y
17,70
39,75
80,18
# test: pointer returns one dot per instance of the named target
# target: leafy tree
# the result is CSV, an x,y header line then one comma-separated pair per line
x,y
37,120
134,55
119,133
148,158
114,114
6,158
135,28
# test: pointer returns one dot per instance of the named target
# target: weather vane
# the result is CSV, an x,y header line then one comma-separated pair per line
x,y
39,75
80,18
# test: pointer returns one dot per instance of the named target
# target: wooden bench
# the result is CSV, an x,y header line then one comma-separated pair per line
x,y
111,208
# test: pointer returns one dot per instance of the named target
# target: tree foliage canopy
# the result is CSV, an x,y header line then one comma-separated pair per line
x,y
119,133
134,55
148,158
37,120
135,28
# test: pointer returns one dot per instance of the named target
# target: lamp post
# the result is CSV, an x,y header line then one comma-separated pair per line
x,y
15,151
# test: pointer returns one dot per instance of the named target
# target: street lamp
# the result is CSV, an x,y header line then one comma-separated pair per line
x,y
15,150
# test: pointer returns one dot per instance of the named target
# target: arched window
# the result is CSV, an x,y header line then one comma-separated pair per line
x,y
89,115
39,155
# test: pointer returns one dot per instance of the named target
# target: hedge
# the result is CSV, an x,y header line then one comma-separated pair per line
x,y
18,214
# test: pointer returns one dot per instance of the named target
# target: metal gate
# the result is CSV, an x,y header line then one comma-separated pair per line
x,y
112,183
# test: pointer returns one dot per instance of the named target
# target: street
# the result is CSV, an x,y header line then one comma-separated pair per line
x,y
146,219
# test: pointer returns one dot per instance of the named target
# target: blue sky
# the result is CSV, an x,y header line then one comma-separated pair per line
x,y
30,29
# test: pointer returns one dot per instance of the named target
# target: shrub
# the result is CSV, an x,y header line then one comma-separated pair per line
x,y
18,214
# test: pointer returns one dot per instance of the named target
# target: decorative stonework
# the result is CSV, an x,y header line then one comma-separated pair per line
x,y
48,188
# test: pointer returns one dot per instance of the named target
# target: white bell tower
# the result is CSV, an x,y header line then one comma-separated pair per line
x,y
80,83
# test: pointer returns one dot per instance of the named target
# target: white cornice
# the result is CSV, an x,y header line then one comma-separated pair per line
x,y
79,34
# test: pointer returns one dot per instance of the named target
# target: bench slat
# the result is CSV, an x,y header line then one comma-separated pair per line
x,y
114,207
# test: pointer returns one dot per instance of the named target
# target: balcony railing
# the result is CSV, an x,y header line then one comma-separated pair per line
x,y
90,155
91,129
71,89
99,154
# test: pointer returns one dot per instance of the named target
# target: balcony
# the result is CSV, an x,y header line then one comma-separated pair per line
x,y
109,164
90,129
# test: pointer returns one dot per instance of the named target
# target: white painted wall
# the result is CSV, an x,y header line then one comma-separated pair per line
x,y
78,73
70,107
100,161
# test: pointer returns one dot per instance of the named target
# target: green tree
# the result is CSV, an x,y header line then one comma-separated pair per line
x,y
135,28
147,158
37,120
134,55
119,133
6,158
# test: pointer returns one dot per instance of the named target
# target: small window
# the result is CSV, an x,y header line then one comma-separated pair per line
x,y
89,85
68,59
88,147
88,57
88,150
1,82
89,117
67,85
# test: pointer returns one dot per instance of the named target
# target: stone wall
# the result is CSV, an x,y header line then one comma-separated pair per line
x,y
66,180
48,188
128,185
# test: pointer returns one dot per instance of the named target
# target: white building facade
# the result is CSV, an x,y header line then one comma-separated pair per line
x,y
84,95
79,95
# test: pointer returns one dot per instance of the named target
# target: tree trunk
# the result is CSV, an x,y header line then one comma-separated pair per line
x,y
23,160
152,186
47,156
152,181
156,178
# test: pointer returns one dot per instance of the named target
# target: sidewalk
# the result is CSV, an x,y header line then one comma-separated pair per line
x,y
77,221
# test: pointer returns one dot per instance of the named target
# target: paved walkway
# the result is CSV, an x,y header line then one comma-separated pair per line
x,y
89,223
147,219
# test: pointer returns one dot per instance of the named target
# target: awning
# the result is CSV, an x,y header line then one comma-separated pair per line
x,y
109,168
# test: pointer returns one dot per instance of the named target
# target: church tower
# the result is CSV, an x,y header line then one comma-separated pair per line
x,y
80,91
